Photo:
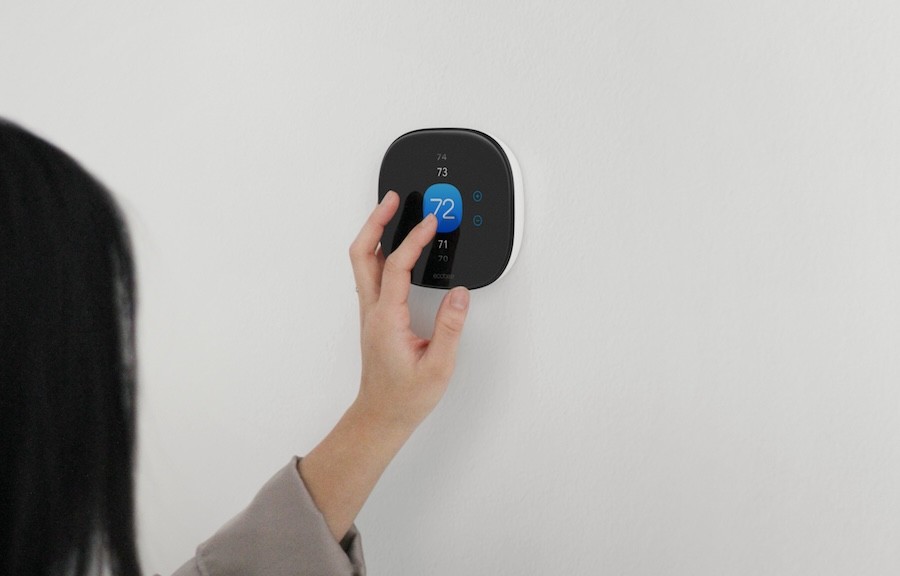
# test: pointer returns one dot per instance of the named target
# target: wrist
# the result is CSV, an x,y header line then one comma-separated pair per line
x,y
384,426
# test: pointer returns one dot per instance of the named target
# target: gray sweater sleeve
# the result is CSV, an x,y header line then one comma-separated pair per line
x,y
281,533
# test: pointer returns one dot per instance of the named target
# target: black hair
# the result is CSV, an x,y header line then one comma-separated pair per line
x,y
67,367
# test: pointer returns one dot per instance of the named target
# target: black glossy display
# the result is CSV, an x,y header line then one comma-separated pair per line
x,y
476,252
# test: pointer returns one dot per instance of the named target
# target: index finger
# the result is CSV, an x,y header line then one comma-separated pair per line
x,y
399,265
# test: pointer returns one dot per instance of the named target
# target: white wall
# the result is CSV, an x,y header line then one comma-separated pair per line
x,y
693,367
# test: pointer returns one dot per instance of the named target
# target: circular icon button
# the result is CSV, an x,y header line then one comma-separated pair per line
x,y
477,196
478,220
445,202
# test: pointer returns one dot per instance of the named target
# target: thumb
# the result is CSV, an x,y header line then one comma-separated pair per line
x,y
448,325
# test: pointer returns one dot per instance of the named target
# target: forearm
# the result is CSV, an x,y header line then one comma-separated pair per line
x,y
342,470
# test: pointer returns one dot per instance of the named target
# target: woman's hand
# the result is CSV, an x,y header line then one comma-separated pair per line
x,y
403,376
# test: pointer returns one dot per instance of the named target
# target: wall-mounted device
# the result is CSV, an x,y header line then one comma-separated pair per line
x,y
472,183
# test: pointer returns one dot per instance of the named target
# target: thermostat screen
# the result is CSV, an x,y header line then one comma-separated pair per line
x,y
464,178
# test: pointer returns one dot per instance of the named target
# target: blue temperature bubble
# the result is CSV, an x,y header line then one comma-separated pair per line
x,y
444,201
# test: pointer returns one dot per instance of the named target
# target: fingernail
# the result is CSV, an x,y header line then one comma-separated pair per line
x,y
383,200
429,217
459,298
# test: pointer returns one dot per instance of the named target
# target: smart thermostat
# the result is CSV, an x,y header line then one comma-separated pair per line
x,y
472,183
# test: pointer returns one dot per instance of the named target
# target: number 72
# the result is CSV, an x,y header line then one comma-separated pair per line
x,y
439,202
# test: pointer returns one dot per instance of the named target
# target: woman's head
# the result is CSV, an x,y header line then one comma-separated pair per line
x,y
67,371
